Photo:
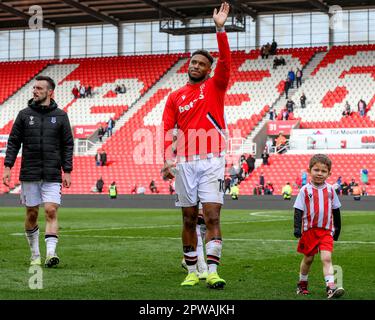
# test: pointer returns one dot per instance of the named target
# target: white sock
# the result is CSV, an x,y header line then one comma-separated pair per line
x,y
303,277
213,249
32,237
330,280
212,268
191,261
51,242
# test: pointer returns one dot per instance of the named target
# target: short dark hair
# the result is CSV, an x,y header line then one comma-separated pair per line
x,y
320,158
51,83
203,53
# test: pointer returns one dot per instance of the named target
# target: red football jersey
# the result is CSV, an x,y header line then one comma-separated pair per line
x,y
317,204
198,111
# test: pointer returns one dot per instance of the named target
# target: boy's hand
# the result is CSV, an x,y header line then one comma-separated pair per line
x,y
297,233
336,236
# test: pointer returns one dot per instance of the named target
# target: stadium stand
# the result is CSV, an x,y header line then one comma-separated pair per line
x,y
286,167
346,73
343,74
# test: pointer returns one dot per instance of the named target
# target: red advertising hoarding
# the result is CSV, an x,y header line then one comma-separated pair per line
x,y
83,132
284,126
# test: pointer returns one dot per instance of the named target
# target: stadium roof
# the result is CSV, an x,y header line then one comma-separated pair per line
x,y
15,13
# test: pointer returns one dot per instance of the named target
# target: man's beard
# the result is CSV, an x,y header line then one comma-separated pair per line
x,y
40,100
196,79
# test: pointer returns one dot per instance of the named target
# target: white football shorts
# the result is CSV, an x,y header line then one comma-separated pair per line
x,y
200,180
34,193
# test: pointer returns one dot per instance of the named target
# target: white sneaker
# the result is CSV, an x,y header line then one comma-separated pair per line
x,y
35,261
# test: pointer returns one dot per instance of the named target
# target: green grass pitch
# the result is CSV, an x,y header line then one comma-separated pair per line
x,y
134,254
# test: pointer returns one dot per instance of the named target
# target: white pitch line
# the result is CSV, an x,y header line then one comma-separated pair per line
x,y
171,238
162,226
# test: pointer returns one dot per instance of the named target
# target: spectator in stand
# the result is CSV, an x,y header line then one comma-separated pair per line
x,y
265,155
244,170
75,92
357,192
134,189
275,62
100,185
284,114
98,160
265,51
364,175
141,190
299,75
262,181
351,185
103,158
227,183
112,190
269,189
347,110
272,113
110,126
278,62
291,77
123,89
302,99
234,192
269,144
362,107
88,91
273,47
287,191
280,142
101,132
303,177
118,89
153,187
290,105
250,163
233,175
339,187
345,189
257,191
287,85
82,91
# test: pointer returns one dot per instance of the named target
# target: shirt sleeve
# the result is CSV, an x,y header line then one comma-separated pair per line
x,y
169,122
336,202
299,203
15,140
222,70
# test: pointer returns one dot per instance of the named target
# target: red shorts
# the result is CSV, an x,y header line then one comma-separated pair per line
x,y
315,240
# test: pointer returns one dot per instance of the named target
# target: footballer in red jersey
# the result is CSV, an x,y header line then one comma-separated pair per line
x,y
197,111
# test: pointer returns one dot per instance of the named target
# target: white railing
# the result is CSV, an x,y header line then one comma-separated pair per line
x,y
81,146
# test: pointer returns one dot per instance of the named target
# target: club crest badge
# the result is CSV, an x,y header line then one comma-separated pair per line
x,y
31,122
53,120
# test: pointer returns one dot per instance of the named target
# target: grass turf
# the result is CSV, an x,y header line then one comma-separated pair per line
x,y
134,254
